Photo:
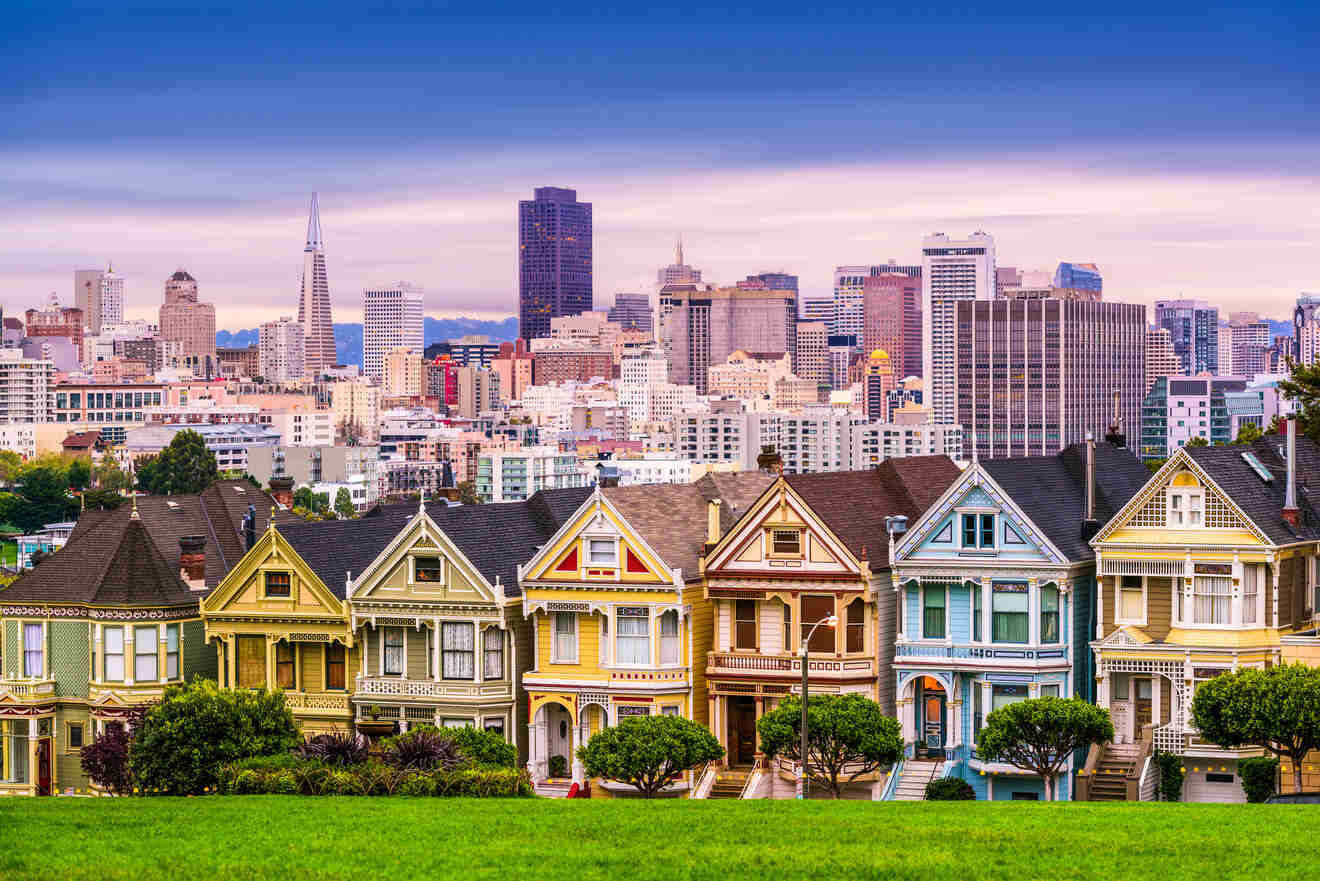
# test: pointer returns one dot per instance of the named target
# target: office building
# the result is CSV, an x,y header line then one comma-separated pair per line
x,y
282,355
356,410
518,475
56,321
190,323
813,351
877,384
554,259
242,362
849,289
514,368
1305,316
818,309
952,271
391,319
1243,344
891,320
1178,409
572,363
1078,277
27,388
632,312
403,375
314,300
1161,360
707,325
100,294
1193,327
1033,376
677,272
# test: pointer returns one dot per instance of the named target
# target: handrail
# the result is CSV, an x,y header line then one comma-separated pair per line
x,y
705,780
751,776
887,794
1088,771
1147,784
1143,757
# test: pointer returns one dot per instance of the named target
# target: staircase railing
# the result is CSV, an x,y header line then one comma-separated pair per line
x,y
705,780
1148,780
752,776
887,794
1088,771
1139,766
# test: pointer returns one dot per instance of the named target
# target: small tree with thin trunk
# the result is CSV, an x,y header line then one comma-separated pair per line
x,y
649,752
1039,735
847,736
1276,709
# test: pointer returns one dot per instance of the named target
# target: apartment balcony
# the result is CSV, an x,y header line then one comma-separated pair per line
x,y
397,688
989,656
27,690
789,666
310,703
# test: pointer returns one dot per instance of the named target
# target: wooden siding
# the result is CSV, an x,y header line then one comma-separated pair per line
x,y
415,648
312,666
724,636
1159,606
521,629
771,636
1292,592
1107,600
886,607
702,626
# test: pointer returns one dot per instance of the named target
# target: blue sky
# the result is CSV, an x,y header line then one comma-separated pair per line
x,y
1174,145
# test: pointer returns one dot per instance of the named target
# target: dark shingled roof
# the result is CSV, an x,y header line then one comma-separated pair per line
x,y
1051,490
112,559
1261,501
854,504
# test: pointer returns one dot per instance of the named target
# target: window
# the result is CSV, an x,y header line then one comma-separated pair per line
x,y
744,624
457,650
171,651
251,661
669,710
113,648
456,723
625,712
1131,599
1252,575
33,656
1216,777
284,665
969,530
602,552
145,658
932,607
334,665
1049,613
788,627
492,652
1050,690
978,530
1186,502
75,735
818,608
1118,687
565,648
1212,596
392,663
669,637
278,584
495,725
856,633
1003,695
978,708
786,542
1008,613
429,569
634,635
978,614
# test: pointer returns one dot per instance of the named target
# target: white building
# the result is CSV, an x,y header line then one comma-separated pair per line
x,y
19,437
281,354
27,388
518,475
951,270
392,318
302,428
100,294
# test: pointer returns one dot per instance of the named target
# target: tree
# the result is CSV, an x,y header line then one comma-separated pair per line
x,y
1303,388
649,752
105,760
847,736
185,466
102,500
1249,432
79,474
109,476
197,728
10,464
344,504
44,486
1039,735
467,493
1198,442
1276,709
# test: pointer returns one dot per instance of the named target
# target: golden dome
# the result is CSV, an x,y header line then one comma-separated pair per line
x,y
879,355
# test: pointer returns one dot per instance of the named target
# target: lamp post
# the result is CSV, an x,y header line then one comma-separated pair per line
x,y
830,621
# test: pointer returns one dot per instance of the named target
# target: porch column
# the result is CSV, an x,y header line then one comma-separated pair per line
x,y
270,663
899,608
1156,687
130,649
477,648
230,650
435,649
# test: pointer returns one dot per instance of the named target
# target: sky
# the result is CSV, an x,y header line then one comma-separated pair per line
x,y
1174,145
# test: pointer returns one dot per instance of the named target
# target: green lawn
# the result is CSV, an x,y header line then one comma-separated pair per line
x,y
9,557
263,837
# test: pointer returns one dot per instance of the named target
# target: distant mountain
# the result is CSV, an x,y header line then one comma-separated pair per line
x,y
1280,328
348,337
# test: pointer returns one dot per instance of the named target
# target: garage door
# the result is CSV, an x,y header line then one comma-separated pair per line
x,y
1217,782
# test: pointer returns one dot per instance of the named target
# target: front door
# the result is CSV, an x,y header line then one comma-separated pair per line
x,y
932,720
1120,707
559,741
43,766
742,730
1141,703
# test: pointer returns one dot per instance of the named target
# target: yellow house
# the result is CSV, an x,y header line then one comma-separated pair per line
x,y
279,623
620,625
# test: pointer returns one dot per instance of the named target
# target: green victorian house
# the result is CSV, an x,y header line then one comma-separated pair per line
x,y
105,624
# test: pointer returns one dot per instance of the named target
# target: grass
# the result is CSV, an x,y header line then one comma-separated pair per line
x,y
258,837
9,555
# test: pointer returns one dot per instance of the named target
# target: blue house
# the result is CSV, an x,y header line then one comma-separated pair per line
x,y
997,604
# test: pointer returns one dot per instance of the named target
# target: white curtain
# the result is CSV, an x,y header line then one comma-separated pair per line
x,y
634,639
457,650
493,647
669,637
144,654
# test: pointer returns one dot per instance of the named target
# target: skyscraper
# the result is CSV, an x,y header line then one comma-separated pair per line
x,y
1193,327
951,271
779,281
314,300
891,320
190,323
709,324
813,351
1161,360
632,312
554,259
282,356
677,272
100,294
1078,277
850,284
391,318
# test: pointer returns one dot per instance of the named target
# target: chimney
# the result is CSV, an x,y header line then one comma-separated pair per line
x,y
768,461
192,560
250,528
1290,511
1115,436
282,489
1089,524
712,524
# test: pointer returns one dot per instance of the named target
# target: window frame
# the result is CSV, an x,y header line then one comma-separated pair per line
x,y
978,611
556,633
942,591
446,653
1010,588
488,654
590,555
822,633
153,656
670,643
267,593
740,622
1118,599
69,727
241,640
418,568
980,528
39,651
1041,613
173,658
399,649
633,614
340,662
772,538
856,628
106,654
290,664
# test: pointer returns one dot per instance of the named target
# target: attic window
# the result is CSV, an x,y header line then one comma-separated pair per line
x,y
429,569
786,542
278,584
1261,471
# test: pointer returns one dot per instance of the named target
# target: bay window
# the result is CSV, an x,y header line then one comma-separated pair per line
x,y
34,658
492,647
392,662
251,662
669,637
457,650
1252,575
1009,619
113,651
1212,597
171,651
145,655
564,649
856,624
978,613
1049,613
1131,599
334,665
284,667
932,608
744,624
1003,695
633,635
818,608
978,708
788,627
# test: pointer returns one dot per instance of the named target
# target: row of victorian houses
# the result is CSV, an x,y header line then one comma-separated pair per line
x,y
956,591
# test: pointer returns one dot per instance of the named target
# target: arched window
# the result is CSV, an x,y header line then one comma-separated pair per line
x,y
1186,501
856,636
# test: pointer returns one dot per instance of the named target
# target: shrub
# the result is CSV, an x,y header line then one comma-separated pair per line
x,y
105,761
649,752
283,782
1171,776
421,750
418,784
344,782
249,782
1258,777
198,728
558,766
950,789
290,775
485,749
338,748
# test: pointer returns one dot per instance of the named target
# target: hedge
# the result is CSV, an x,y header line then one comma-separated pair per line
x,y
290,775
950,789
1258,777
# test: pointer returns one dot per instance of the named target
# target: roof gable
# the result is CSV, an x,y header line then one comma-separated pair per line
x,y
808,547
421,565
567,557
247,592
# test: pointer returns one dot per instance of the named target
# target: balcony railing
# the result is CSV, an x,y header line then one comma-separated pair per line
x,y
317,703
28,689
826,668
396,687
1016,652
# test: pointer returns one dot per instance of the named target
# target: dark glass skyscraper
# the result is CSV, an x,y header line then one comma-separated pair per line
x,y
554,259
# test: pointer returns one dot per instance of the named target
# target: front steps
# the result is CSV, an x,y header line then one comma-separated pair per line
x,y
1117,762
913,778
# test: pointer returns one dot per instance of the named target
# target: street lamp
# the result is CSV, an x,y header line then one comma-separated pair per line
x,y
831,622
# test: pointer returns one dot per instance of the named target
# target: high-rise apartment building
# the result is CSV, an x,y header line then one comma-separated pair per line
x,y
314,300
632,312
282,350
27,388
1033,376
1243,343
891,320
404,373
190,323
356,409
1078,277
391,318
58,321
1193,327
952,271
100,294
813,342
1305,315
1161,359
818,309
707,325
677,272
554,259
849,288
